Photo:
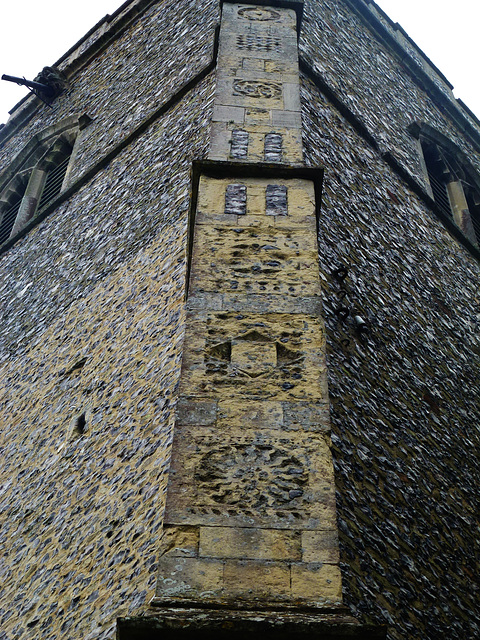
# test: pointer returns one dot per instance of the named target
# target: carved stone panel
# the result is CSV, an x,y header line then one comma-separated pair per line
x,y
227,353
266,476
257,89
259,14
251,478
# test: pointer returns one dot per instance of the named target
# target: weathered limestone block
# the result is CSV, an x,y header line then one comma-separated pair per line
x,y
251,475
249,543
261,478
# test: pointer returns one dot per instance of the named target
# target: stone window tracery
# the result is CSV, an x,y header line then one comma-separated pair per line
x,y
36,176
454,184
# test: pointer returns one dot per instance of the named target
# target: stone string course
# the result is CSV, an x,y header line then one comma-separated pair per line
x,y
403,401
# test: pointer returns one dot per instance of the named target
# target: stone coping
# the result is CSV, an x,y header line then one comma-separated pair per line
x,y
217,624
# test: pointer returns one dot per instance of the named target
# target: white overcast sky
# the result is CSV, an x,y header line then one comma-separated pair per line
x,y
35,34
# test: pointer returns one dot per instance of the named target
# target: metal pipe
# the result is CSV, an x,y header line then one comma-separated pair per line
x,y
31,84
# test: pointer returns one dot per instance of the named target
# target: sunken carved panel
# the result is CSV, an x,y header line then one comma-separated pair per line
x,y
239,144
259,14
252,356
257,89
251,478
229,353
254,260
276,200
236,199
255,42
266,476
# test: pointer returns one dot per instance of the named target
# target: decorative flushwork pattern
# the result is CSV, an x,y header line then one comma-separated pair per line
x,y
257,83
250,510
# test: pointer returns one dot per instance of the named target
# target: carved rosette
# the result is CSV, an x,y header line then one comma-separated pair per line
x,y
259,14
257,89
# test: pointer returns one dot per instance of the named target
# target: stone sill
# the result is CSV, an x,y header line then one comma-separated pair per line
x,y
215,624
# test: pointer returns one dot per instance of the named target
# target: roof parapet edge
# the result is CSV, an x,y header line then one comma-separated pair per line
x,y
31,102
398,27
421,78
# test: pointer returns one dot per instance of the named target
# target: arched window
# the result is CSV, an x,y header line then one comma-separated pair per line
x,y
438,175
56,167
36,176
454,183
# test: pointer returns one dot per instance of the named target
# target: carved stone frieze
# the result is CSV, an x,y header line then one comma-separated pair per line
x,y
259,14
284,350
257,89
253,477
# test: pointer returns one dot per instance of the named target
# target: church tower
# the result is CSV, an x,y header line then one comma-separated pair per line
x,y
239,256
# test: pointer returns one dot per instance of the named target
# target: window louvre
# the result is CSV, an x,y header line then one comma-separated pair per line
x,y
476,226
8,220
53,183
453,185
440,194
473,199
35,179
438,176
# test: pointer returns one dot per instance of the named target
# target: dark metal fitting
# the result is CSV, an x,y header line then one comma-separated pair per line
x,y
340,272
342,312
360,325
31,84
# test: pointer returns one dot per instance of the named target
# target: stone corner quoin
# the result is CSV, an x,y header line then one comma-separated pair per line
x,y
239,357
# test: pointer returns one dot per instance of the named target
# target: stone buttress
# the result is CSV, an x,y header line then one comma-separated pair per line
x,y
250,527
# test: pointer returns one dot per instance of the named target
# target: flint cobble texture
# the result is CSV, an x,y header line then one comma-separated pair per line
x,y
92,312
404,405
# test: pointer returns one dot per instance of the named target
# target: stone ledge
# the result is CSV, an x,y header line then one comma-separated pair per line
x,y
216,624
